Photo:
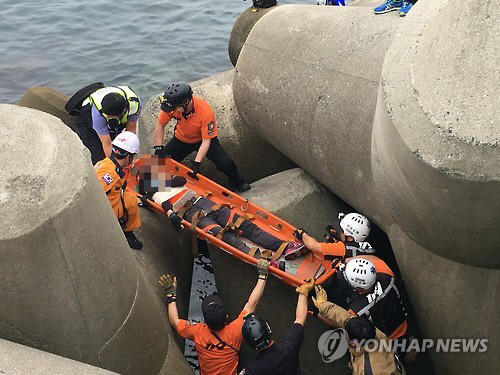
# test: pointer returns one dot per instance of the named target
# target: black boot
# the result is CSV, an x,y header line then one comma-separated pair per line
x,y
132,240
242,186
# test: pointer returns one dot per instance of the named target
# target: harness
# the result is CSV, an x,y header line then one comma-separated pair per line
x,y
222,343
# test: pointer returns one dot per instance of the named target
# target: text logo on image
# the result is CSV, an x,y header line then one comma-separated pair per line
x,y
332,345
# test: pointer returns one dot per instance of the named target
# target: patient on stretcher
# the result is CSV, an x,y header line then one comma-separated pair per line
x,y
179,202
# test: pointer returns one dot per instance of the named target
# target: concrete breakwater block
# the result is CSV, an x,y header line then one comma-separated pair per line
x,y
48,100
70,284
21,360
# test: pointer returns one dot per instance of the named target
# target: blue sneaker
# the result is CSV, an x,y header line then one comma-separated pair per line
x,y
388,6
405,8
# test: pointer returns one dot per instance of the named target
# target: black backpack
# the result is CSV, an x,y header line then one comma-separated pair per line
x,y
74,104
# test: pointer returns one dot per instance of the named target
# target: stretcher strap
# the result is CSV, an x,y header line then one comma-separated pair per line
x,y
264,254
280,250
253,251
187,206
210,227
194,223
217,207
241,219
229,225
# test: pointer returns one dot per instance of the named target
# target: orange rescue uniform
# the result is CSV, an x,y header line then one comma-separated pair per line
x,y
200,124
112,179
215,358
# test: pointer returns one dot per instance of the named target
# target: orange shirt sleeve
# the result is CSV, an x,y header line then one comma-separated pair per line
x,y
186,329
164,118
208,126
332,250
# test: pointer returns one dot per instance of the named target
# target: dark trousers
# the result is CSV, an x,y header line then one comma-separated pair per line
x,y
221,217
88,135
178,151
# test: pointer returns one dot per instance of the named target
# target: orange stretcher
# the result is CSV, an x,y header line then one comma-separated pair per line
x,y
309,266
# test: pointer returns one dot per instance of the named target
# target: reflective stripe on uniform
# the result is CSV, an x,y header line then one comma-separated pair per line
x,y
375,296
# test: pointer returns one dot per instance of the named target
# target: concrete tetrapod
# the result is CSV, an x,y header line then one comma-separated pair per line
x,y
70,284
429,180
435,137
313,93
21,360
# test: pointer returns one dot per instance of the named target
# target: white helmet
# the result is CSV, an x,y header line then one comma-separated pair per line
x,y
360,273
127,141
355,225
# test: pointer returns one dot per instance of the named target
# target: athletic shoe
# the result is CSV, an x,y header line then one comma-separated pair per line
x,y
132,240
405,8
295,249
388,6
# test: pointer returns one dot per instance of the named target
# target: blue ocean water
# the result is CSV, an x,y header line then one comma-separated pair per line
x,y
143,44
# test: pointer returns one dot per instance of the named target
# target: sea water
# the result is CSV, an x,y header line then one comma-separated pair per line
x,y
144,44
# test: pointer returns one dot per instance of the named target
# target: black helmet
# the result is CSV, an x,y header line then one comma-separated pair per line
x,y
256,332
114,104
177,94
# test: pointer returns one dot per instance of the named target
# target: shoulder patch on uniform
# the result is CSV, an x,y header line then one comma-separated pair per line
x,y
107,178
211,128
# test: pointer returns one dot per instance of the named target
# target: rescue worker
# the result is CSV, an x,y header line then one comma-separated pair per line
x,y
195,130
217,340
368,288
105,114
276,358
180,202
346,242
363,360
111,173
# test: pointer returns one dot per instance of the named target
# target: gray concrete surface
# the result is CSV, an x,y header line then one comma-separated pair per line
x,y
254,157
241,29
22,360
451,300
70,283
316,96
419,160
435,135
48,100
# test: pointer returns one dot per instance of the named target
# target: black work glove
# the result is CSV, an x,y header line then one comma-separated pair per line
x,y
169,283
333,235
159,150
176,221
144,201
195,166
297,233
